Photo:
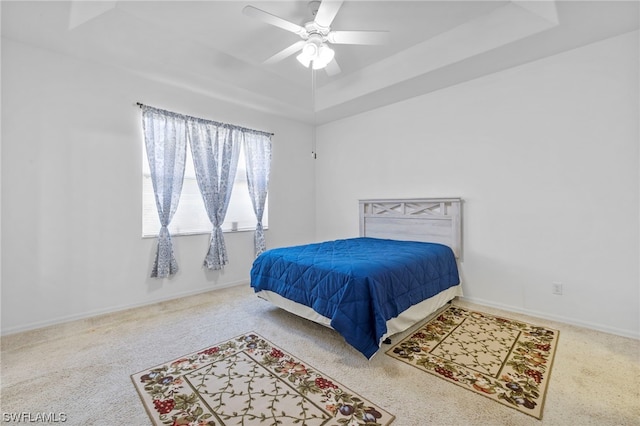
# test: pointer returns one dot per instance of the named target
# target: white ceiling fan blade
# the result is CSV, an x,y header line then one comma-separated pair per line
x,y
327,12
285,53
332,68
359,37
274,20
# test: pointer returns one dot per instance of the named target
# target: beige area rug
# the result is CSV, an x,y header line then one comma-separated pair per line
x,y
506,360
249,381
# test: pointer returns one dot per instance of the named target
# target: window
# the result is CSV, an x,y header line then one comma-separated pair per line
x,y
191,216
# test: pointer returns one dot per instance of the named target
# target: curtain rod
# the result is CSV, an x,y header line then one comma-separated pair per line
x,y
139,104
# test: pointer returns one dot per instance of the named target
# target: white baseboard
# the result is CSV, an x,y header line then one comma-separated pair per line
x,y
97,312
559,318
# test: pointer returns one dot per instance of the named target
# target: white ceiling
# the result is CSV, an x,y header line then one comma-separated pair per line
x,y
211,47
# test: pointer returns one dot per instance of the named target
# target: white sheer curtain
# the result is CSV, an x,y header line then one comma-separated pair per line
x,y
215,149
165,137
257,151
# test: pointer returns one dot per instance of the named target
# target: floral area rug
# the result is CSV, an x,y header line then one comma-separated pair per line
x,y
249,381
506,360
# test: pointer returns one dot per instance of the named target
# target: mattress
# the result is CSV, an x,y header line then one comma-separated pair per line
x,y
359,283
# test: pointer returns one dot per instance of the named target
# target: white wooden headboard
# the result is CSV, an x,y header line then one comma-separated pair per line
x,y
434,220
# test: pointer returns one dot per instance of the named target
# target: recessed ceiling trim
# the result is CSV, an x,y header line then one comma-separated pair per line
x,y
503,25
84,11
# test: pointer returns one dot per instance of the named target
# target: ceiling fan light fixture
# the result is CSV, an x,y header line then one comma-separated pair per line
x,y
315,53
309,52
325,55
305,60
310,49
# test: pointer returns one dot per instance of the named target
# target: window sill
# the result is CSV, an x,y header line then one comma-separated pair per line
x,y
224,231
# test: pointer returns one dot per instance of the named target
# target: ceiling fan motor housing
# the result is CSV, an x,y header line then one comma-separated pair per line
x,y
312,28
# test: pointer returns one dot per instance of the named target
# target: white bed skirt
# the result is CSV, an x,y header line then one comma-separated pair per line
x,y
406,319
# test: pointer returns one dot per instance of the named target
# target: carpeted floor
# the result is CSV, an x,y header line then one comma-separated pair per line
x,y
82,369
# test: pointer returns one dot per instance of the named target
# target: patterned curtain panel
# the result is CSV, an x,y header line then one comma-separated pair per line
x,y
257,149
165,137
215,149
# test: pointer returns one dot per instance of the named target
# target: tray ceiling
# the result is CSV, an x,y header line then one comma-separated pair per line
x,y
212,48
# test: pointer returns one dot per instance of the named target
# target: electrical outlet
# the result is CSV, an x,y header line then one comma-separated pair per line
x,y
556,288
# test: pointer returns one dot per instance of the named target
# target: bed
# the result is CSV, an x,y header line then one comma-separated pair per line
x,y
400,270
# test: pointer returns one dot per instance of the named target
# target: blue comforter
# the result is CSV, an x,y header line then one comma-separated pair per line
x,y
358,283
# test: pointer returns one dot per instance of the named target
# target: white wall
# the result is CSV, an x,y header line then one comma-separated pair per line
x,y
71,190
545,156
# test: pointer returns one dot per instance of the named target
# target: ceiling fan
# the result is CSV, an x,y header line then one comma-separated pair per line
x,y
316,36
